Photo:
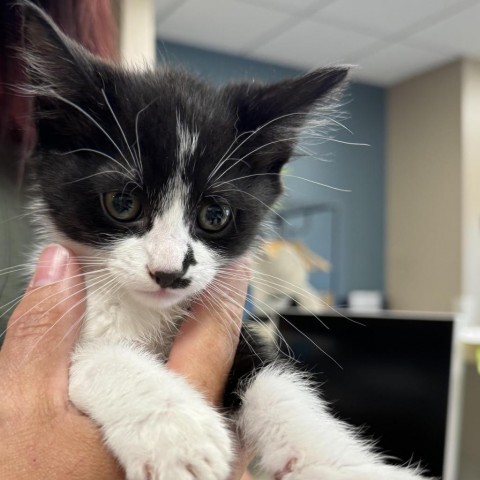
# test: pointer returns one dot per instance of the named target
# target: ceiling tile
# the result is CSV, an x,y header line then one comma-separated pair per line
x,y
310,44
226,25
291,6
310,33
459,34
395,63
383,16
165,7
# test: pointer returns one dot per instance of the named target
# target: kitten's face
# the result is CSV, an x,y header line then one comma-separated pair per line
x,y
161,177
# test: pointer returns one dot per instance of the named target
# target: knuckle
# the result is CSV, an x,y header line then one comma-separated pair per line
x,y
31,325
34,320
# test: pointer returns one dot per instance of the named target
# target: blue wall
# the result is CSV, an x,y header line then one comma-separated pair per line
x,y
359,249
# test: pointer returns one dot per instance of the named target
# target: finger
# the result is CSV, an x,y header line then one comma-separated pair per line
x,y
44,326
203,351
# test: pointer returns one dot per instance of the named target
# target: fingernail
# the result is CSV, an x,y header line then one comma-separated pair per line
x,y
51,266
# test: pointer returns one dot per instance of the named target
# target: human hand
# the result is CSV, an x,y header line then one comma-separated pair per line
x,y
42,434
214,327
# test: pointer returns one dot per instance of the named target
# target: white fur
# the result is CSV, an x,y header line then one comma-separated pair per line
x,y
297,438
156,424
187,143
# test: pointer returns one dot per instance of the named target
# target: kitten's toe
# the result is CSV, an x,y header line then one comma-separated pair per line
x,y
191,444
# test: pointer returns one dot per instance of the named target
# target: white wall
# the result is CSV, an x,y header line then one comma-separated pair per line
x,y
470,127
424,174
137,32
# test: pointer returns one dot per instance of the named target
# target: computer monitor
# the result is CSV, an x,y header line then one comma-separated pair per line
x,y
394,376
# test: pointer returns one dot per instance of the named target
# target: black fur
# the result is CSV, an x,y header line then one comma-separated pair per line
x,y
253,353
258,125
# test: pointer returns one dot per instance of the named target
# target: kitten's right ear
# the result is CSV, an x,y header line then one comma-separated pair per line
x,y
54,62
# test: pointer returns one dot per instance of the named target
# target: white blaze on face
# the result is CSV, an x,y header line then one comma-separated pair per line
x,y
186,144
163,249
167,243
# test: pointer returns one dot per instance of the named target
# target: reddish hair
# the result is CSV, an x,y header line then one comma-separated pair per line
x,y
91,22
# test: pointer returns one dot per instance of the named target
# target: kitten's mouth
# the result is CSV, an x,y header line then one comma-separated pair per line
x,y
162,293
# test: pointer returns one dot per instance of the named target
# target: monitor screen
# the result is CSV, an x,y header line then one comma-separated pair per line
x,y
393,381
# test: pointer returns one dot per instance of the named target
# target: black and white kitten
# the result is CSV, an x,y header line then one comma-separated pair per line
x,y
158,181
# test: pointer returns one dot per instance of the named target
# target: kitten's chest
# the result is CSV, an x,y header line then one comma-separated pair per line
x,y
114,318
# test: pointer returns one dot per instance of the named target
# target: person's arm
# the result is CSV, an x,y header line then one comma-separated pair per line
x,y
41,434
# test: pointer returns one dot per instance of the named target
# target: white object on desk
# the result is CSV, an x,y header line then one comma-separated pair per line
x,y
365,300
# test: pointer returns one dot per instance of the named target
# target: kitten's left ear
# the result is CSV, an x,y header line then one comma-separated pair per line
x,y
277,111
288,102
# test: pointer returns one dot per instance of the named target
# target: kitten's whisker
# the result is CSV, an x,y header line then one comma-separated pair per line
x,y
257,199
249,297
257,130
82,300
105,172
14,269
291,139
221,306
137,139
224,156
81,283
75,305
288,139
304,292
285,175
230,288
87,115
336,122
302,333
34,346
256,282
336,140
278,286
128,173
72,328
228,313
136,161
18,217
31,266
11,324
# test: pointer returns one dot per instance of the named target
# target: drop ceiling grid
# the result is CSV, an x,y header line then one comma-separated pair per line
x,y
309,33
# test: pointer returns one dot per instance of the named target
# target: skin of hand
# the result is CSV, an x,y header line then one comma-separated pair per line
x,y
214,326
42,435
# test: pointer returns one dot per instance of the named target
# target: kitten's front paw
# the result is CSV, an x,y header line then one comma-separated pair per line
x,y
189,441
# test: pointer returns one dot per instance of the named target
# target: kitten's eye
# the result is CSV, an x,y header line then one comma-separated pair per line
x,y
123,207
213,217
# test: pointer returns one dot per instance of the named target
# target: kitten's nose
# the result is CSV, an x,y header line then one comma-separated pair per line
x,y
170,279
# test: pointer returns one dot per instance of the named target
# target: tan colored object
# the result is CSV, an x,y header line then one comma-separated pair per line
x,y
310,260
281,274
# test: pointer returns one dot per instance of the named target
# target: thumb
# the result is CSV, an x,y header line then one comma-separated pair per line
x,y
44,326
204,350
